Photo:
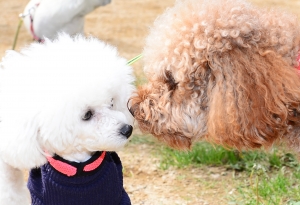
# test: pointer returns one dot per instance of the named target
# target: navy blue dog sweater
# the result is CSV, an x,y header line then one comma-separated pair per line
x,y
102,186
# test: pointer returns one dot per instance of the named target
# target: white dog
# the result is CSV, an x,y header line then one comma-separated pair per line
x,y
65,98
44,18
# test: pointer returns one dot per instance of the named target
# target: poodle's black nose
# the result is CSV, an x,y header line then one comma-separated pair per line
x,y
126,130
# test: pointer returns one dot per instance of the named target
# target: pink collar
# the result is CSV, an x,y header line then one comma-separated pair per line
x,y
73,168
32,29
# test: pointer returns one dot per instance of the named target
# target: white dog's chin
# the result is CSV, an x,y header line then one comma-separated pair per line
x,y
68,97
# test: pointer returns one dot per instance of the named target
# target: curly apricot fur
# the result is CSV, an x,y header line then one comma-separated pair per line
x,y
222,70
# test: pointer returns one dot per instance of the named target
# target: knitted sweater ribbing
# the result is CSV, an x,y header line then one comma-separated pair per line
x,y
104,187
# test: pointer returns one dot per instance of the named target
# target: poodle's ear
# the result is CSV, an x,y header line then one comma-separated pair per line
x,y
255,97
20,145
19,128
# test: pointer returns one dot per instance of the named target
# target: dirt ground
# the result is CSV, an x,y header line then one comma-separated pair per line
x,y
124,24
147,184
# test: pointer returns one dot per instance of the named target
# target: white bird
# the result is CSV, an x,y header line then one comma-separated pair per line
x,y
45,18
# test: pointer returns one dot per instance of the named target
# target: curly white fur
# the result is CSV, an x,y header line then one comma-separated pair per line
x,y
46,89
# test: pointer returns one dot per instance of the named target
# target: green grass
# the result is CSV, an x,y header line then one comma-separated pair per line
x,y
269,188
271,178
137,139
285,183
207,154
202,154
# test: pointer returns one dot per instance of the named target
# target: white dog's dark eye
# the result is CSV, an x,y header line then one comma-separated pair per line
x,y
112,103
88,115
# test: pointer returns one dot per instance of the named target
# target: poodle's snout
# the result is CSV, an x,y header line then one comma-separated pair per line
x,y
126,130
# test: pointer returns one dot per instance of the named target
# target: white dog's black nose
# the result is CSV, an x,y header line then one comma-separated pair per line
x,y
126,130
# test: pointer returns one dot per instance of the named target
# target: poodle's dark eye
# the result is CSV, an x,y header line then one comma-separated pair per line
x,y
170,81
88,115
112,103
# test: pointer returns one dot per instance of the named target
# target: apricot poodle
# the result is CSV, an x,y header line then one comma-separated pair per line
x,y
224,71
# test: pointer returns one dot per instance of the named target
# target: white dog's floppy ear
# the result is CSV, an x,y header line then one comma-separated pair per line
x,y
19,145
19,128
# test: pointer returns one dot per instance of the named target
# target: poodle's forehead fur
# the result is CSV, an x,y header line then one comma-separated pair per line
x,y
222,69
204,27
66,68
